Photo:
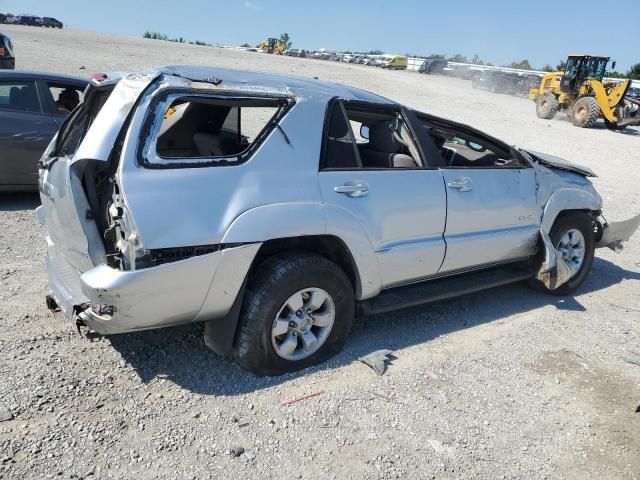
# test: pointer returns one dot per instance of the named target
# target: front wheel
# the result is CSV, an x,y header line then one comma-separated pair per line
x,y
573,237
297,311
585,112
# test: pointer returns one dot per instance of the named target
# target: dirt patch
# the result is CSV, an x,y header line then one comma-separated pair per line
x,y
607,395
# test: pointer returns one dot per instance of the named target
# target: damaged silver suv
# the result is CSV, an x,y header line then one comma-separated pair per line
x,y
276,209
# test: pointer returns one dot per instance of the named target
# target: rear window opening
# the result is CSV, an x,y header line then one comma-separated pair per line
x,y
209,128
77,124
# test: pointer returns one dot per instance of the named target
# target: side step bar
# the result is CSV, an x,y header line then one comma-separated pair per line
x,y
441,289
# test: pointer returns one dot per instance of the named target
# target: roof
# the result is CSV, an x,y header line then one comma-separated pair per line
x,y
587,55
299,86
29,75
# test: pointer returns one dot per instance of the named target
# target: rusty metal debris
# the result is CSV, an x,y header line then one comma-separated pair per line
x,y
303,397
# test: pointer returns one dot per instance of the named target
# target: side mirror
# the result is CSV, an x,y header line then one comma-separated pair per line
x,y
364,131
613,65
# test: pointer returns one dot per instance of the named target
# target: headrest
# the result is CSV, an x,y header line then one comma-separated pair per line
x,y
381,137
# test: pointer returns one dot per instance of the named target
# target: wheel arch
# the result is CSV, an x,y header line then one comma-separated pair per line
x,y
312,224
568,199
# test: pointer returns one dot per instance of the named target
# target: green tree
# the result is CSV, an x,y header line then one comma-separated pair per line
x,y
523,65
634,72
245,45
285,41
459,58
476,60
547,68
561,66
436,56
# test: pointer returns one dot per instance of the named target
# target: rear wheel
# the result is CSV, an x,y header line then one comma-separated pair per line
x,y
585,112
297,311
547,106
573,237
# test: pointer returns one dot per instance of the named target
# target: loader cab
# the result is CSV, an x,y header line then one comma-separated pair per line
x,y
580,68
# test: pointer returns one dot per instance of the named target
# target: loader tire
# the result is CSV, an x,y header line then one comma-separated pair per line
x,y
585,112
547,106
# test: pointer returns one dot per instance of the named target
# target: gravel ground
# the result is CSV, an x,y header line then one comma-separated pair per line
x,y
509,383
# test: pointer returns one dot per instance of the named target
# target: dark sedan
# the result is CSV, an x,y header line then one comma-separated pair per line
x,y
52,22
33,105
7,59
30,20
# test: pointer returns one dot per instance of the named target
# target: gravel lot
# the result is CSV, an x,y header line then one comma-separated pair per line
x,y
509,383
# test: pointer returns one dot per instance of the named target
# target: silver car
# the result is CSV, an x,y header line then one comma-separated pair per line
x,y
276,209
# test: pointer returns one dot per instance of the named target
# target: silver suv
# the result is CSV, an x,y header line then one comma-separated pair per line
x,y
277,209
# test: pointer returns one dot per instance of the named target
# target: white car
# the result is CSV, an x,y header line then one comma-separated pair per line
x,y
276,208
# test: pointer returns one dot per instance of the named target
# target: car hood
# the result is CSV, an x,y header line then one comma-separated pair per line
x,y
557,162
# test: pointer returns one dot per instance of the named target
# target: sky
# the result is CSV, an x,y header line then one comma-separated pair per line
x,y
499,31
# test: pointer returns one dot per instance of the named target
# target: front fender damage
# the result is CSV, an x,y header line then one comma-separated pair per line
x,y
555,272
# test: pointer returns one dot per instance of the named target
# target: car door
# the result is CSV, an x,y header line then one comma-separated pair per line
x,y
402,209
492,214
25,132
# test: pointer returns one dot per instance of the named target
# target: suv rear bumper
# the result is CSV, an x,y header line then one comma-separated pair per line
x,y
111,301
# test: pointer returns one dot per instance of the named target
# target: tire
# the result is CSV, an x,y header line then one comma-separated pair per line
x,y
585,112
566,222
269,290
547,106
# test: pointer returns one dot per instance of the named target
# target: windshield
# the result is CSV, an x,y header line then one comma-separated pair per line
x,y
586,67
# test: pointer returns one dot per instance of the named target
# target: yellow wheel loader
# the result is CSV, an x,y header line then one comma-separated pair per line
x,y
271,45
581,92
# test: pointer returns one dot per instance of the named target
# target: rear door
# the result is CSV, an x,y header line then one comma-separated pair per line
x,y
401,206
26,129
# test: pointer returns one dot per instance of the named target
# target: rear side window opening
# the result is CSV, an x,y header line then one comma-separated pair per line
x,y
77,124
192,130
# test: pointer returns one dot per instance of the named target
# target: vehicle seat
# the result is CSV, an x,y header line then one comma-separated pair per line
x,y
15,98
29,99
208,145
383,149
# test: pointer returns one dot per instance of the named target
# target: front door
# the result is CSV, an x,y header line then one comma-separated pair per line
x,y
380,180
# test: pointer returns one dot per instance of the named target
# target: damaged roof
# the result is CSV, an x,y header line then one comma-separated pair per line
x,y
299,86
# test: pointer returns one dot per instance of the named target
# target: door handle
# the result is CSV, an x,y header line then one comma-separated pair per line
x,y
462,184
353,190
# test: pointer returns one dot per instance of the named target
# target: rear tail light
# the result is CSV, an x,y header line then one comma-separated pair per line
x,y
99,77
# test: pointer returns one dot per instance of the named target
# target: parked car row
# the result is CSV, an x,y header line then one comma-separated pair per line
x,y
506,82
30,20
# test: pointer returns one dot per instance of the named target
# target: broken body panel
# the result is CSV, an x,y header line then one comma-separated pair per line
x,y
110,217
